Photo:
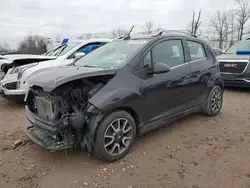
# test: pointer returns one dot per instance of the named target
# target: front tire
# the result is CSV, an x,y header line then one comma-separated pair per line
x,y
214,102
114,136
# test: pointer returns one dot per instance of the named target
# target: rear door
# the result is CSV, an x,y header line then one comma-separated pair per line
x,y
201,66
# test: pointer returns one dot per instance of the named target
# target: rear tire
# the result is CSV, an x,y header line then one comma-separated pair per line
x,y
114,136
214,102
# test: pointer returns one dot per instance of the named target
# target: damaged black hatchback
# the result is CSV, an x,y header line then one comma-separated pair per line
x,y
125,88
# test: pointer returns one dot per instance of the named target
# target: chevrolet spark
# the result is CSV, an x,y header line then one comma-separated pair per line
x,y
126,88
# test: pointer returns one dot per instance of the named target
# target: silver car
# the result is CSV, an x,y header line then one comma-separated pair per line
x,y
13,84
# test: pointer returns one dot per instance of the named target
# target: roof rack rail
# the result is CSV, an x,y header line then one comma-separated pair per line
x,y
161,32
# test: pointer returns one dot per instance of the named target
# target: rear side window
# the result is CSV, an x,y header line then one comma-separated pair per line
x,y
169,52
196,50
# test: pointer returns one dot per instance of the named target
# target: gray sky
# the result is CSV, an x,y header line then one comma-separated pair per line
x,y
49,18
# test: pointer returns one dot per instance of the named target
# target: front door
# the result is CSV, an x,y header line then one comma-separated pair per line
x,y
164,94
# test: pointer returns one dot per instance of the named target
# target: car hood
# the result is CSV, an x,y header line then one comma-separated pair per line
x,y
51,78
233,57
11,58
44,65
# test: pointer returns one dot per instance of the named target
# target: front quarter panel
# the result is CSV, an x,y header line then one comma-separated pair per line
x,y
121,91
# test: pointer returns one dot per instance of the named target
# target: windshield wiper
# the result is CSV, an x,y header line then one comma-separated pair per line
x,y
89,66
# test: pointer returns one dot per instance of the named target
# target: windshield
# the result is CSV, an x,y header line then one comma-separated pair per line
x,y
241,45
112,55
63,49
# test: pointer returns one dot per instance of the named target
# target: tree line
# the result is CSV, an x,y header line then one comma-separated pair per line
x,y
224,29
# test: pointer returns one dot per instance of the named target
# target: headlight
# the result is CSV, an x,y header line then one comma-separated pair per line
x,y
20,73
22,68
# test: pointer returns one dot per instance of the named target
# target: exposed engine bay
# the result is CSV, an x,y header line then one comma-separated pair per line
x,y
64,110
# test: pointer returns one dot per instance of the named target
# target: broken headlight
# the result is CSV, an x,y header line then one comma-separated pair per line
x,y
20,73
21,69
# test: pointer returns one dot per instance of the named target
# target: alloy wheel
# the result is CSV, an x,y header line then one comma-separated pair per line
x,y
118,137
216,100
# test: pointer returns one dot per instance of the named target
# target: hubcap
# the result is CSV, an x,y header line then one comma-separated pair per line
x,y
216,101
118,137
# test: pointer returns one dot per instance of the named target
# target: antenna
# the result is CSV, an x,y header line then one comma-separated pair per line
x,y
128,35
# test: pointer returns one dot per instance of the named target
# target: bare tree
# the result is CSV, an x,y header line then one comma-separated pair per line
x,y
5,48
58,38
148,27
159,29
242,16
220,27
33,44
232,27
119,32
86,36
195,24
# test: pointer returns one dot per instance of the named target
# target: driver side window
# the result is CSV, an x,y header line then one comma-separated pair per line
x,y
169,52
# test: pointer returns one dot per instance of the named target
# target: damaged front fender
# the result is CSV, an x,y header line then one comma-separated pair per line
x,y
94,115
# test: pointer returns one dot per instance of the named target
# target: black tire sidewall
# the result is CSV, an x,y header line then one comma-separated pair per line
x,y
208,108
99,135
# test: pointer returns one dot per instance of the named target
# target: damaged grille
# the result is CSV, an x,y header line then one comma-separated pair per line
x,y
236,67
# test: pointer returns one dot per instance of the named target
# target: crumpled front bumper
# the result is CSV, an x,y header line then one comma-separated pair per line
x,y
15,90
44,133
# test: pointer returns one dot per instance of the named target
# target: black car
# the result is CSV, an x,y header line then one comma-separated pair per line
x,y
234,64
126,88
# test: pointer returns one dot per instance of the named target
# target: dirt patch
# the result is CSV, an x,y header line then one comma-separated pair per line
x,y
195,152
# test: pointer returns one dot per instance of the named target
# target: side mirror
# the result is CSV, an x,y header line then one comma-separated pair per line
x,y
160,68
79,55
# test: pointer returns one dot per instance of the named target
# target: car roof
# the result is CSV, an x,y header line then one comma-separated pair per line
x,y
91,40
166,34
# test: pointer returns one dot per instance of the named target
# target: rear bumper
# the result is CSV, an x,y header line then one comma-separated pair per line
x,y
44,133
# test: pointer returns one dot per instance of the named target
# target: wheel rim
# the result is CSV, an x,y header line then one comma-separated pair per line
x,y
216,100
118,137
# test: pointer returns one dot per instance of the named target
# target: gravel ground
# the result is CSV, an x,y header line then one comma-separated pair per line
x,y
195,152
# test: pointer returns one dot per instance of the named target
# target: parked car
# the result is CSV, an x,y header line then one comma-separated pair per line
x,y
2,60
218,51
234,64
14,85
15,60
127,87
